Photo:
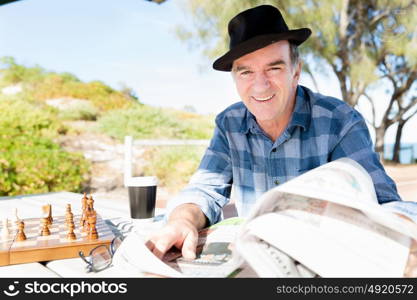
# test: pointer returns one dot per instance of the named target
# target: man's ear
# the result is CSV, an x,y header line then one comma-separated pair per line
x,y
297,72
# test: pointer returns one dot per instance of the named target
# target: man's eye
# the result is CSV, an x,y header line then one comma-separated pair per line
x,y
275,69
245,73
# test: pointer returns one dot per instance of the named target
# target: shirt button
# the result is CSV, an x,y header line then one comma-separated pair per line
x,y
276,182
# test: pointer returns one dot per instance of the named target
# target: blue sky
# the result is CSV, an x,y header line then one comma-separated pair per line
x,y
130,42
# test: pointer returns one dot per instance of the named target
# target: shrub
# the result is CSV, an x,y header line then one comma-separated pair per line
x,y
146,122
172,165
15,73
30,161
80,111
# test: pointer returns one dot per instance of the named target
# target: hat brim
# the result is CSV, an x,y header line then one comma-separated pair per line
x,y
225,62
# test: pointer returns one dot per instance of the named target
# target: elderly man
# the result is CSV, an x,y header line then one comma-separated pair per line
x,y
278,131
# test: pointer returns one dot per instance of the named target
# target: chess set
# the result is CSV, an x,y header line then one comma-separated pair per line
x,y
53,237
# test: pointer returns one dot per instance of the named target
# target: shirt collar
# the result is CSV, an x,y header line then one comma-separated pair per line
x,y
302,111
301,116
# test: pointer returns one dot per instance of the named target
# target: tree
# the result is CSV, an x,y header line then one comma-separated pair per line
x,y
365,44
401,122
392,44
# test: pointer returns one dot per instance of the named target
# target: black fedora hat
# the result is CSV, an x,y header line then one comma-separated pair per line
x,y
254,29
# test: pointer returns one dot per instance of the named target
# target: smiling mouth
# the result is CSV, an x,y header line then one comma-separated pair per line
x,y
260,99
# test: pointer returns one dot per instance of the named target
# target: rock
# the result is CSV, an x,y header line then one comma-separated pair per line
x,y
106,156
66,103
12,89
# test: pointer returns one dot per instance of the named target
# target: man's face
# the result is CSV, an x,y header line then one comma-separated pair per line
x,y
266,81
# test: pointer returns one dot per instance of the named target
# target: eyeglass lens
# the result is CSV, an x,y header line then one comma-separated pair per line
x,y
101,257
115,244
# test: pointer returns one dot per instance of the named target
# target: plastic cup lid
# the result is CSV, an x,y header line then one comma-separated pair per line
x,y
141,181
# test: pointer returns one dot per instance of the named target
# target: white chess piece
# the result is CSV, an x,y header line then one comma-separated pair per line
x,y
5,228
16,219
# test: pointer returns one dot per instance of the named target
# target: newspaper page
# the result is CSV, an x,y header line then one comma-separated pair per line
x,y
214,255
328,220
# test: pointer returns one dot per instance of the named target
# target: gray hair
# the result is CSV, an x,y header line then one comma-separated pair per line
x,y
294,55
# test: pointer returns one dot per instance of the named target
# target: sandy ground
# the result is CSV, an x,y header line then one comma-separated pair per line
x,y
405,176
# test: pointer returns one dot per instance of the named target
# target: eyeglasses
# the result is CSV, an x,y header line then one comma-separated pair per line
x,y
101,257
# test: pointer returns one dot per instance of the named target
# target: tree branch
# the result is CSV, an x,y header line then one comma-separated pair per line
x,y
313,78
403,111
373,123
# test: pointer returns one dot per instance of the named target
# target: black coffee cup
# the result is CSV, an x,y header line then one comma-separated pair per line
x,y
142,196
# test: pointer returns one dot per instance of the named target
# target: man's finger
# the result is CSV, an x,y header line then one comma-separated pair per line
x,y
150,244
411,267
161,247
189,246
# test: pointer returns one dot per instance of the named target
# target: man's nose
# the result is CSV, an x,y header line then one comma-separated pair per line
x,y
261,82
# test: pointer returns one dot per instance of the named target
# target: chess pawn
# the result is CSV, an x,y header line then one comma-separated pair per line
x,y
69,217
68,209
92,234
71,235
46,209
45,229
20,234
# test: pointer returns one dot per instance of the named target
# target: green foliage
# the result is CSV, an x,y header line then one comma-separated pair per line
x,y
30,161
41,85
173,165
15,73
146,122
80,111
19,117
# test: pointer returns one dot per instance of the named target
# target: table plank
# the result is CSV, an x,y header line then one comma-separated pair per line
x,y
27,270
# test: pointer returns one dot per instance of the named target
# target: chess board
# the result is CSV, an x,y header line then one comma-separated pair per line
x,y
37,248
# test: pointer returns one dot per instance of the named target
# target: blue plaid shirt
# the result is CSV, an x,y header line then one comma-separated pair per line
x,y
322,129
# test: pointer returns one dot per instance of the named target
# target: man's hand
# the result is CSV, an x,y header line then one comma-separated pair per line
x,y
411,267
181,231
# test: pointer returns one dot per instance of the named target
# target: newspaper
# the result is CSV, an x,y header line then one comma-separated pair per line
x,y
329,221
324,223
214,255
